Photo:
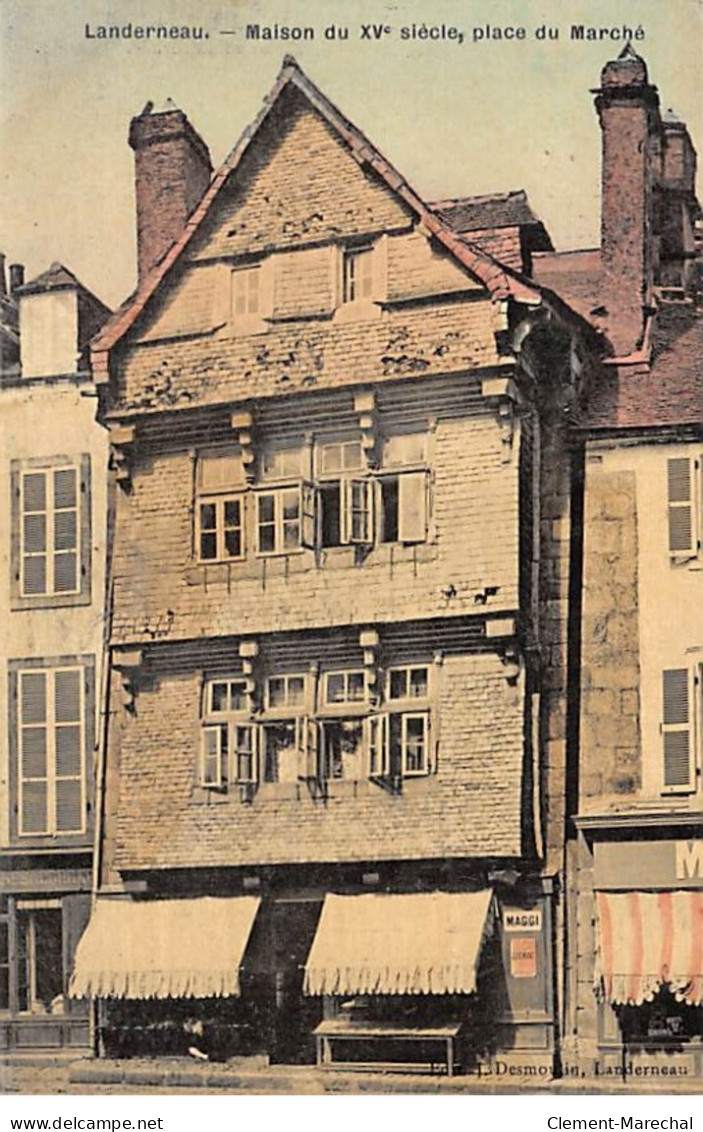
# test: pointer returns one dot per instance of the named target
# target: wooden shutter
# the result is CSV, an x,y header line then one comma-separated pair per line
x,y
307,516
33,754
309,750
677,730
246,752
68,751
213,755
680,495
378,745
412,507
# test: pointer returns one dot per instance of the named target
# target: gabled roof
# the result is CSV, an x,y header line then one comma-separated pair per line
x,y
495,210
60,278
500,281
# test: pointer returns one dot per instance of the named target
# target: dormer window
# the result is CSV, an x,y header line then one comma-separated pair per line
x,y
358,275
246,291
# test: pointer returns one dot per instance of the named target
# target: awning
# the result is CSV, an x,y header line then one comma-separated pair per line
x,y
163,948
646,940
424,943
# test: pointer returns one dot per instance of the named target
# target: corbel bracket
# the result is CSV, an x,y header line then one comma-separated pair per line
x,y
128,662
243,425
507,399
365,407
249,654
121,440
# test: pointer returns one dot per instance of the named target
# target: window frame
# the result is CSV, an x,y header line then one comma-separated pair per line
x,y
85,665
305,519
226,723
220,530
48,466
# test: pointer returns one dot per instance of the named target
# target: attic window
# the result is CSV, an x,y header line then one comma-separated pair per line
x,y
246,291
358,275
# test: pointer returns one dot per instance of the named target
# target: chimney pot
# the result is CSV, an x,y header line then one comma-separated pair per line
x,y
16,277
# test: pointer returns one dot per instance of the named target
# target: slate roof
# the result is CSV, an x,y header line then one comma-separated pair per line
x,y
497,210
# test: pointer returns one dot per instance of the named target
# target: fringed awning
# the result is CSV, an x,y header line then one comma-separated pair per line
x,y
163,948
424,943
647,940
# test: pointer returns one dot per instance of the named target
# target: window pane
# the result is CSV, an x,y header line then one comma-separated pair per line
x,y
291,505
65,573
266,508
233,543
34,814
207,517
335,688
69,815
218,697
355,687
67,697
65,530
237,695
389,506
399,684
34,491
331,458
277,691
33,697
33,763
68,752
65,488
34,533
418,682
267,538
208,546
48,958
233,513
296,690
35,575
415,744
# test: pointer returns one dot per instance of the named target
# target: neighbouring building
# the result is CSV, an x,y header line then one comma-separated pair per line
x,y
335,766
53,478
634,945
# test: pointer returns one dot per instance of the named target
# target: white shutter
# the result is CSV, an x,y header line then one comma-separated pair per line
x,y
412,507
677,730
357,519
213,755
33,754
680,495
308,752
377,745
308,516
246,753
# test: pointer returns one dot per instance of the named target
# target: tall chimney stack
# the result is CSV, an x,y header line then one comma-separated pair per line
x,y
628,110
172,170
16,276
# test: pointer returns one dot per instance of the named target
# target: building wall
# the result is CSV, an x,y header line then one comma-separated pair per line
x,y
469,806
161,587
49,333
48,419
642,614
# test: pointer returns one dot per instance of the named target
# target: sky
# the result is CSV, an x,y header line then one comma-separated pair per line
x,y
488,114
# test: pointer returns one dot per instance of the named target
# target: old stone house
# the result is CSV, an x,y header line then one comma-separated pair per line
x,y
334,772
53,481
634,932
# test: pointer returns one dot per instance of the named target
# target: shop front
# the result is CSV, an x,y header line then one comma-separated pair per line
x,y
648,978
42,915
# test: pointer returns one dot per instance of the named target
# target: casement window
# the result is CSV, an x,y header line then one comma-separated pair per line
x,y
346,501
410,682
229,741
342,749
403,485
358,275
398,745
685,507
220,508
246,291
51,532
285,519
51,744
681,728
344,687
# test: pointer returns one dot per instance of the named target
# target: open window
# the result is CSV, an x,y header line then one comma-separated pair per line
x,y
229,742
404,489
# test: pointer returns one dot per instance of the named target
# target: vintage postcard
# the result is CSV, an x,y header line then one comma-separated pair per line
x,y
351,548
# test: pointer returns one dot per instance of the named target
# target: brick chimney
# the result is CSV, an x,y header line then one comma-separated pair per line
x,y
172,170
678,206
628,110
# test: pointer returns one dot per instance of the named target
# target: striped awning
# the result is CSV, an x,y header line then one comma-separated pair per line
x,y
647,940
424,943
163,948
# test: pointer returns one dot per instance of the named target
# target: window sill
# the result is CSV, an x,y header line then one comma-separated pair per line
x,y
361,310
49,601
